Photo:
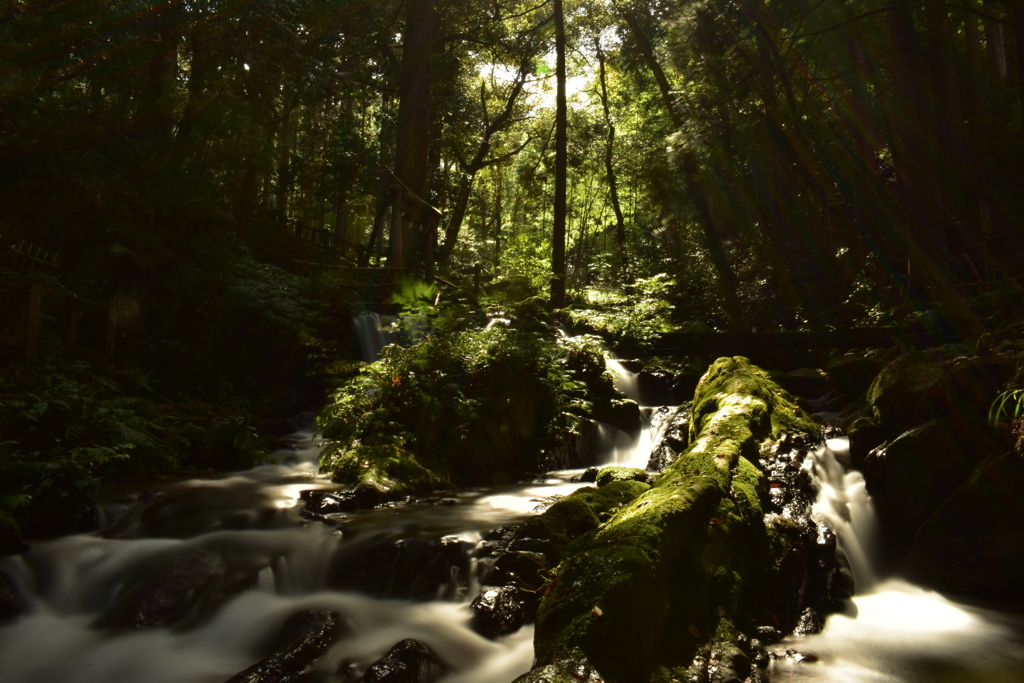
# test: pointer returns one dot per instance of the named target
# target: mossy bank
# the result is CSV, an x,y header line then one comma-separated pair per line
x,y
690,561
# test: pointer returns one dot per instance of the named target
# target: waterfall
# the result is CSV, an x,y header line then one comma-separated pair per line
x,y
900,633
370,334
625,381
845,507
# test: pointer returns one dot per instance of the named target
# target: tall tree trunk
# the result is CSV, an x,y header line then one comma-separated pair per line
x,y
480,161
930,272
1018,40
383,194
284,173
975,76
609,167
201,69
155,113
455,219
953,184
408,237
561,166
691,173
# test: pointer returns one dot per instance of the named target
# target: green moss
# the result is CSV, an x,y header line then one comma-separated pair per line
x,y
386,467
547,674
10,535
617,473
684,556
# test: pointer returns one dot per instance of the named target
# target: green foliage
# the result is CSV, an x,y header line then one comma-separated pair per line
x,y
70,427
1009,404
466,402
632,321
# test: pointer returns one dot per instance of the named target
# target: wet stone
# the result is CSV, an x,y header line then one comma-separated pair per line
x,y
410,661
769,635
411,568
304,638
809,624
588,477
199,581
728,664
759,654
796,656
498,611
671,430
11,604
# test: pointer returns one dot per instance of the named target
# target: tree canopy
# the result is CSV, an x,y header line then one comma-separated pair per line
x,y
786,164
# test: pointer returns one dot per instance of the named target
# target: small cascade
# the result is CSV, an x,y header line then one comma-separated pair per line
x,y
625,381
192,581
372,335
900,633
845,507
622,448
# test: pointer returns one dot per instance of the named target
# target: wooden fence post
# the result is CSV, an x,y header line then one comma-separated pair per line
x,y
35,314
111,332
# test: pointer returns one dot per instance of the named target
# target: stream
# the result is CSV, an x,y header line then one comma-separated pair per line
x,y
379,570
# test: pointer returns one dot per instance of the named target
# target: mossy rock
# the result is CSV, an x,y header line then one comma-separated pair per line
x,y
655,581
971,545
610,473
383,472
910,476
852,373
909,391
11,542
865,435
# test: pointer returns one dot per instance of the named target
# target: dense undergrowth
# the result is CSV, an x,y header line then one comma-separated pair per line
x,y
68,428
468,403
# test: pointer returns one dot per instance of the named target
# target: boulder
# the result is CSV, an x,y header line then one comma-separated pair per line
x,y
971,545
501,610
577,449
412,568
11,542
973,384
11,604
589,476
910,476
683,385
304,638
852,373
610,473
410,661
865,435
655,388
196,582
909,391
621,413
805,382
688,558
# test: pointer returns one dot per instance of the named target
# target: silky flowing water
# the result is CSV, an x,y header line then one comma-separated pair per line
x,y
252,520
900,633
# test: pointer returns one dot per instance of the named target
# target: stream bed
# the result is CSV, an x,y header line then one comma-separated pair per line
x,y
248,525
407,571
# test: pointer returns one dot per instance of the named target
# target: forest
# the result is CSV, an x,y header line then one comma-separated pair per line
x,y
416,232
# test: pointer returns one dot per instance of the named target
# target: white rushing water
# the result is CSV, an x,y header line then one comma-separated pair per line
x,y
251,520
901,633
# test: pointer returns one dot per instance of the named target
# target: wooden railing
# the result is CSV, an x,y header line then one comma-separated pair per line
x,y
24,255
23,322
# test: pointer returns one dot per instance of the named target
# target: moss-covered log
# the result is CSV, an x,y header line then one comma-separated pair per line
x,y
690,561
